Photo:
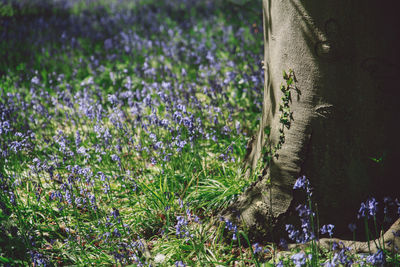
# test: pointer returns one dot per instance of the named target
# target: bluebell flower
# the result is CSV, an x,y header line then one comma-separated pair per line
x,y
158,145
183,72
372,206
352,227
226,130
119,257
106,235
234,236
283,244
303,183
368,209
153,137
4,127
293,233
108,44
237,127
101,176
304,210
398,206
181,144
397,233
300,183
35,80
377,259
179,264
115,213
180,227
116,232
230,226
12,197
388,200
257,248
305,234
38,259
327,229
299,259
78,140
343,256
180,203
196,219
68,197
106,188
92,199
330,263
78,201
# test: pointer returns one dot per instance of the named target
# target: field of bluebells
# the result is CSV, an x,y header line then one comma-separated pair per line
x,y
123,126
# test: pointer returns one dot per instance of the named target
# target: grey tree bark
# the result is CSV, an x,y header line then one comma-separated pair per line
x,y
344,136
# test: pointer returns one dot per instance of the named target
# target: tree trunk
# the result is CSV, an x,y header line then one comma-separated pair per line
x,y
344,136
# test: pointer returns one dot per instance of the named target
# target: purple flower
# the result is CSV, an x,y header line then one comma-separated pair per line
x,y
330,263
292,232
304,211
352,227
398,206
115,213
108,44
372,206
115,157
35,80
237,126
78,140
68,197
300,183
283,244
116,232
38,259
327,229
377,259
234,236
196,219
180,203
343,257
153,137
368,209
230,226
305,234
257,248
298,259
179,264
106,188
183,72
158,145
180,144
303,183
180,227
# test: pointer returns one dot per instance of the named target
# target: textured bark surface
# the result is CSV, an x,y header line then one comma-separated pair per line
x,y
345,55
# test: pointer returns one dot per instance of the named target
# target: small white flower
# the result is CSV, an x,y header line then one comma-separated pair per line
x,y
159,258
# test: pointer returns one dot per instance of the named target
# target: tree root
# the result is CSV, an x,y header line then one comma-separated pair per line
x,y
390,241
